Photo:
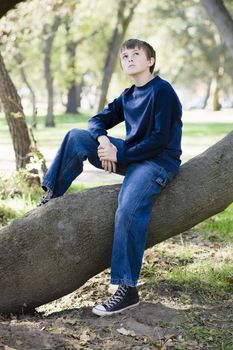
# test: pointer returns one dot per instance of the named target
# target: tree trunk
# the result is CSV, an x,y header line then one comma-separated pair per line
x,y
207,95
19,60
222,19
49,38
74,98
216,104
15,118
74,91
54,249
114,46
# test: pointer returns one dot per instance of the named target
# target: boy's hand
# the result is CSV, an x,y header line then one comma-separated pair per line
x,y
107,152
106,147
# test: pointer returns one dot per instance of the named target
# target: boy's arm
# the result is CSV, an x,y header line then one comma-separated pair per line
x,y
106,119
158,140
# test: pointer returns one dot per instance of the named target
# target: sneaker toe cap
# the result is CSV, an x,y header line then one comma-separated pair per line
x,y
98,308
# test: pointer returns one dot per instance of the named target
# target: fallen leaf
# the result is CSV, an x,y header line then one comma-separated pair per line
x,y
84,337
6,347
124,331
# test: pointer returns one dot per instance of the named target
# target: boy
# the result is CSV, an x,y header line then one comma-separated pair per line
x,y
149,158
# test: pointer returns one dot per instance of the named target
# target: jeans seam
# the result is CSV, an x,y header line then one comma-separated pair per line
x,y
132,213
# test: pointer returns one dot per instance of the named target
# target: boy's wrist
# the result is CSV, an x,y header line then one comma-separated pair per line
x,y
103,139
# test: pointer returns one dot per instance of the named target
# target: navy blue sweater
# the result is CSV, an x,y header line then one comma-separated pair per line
x,y
152,115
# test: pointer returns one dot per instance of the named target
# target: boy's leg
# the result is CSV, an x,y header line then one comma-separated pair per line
x,y
142,183
77,146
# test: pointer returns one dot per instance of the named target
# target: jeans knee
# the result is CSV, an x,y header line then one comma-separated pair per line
x,y
78,136
123,214
74,133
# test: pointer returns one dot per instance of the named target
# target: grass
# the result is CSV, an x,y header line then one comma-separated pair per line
x,y
208,129
219,228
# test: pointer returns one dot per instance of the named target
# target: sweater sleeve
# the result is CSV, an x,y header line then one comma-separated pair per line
x,y
107,118
158,140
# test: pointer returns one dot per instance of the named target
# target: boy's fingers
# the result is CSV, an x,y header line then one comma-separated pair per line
x,y
114,166
109,167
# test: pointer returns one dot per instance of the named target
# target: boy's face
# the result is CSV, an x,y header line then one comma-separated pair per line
x,y
134,61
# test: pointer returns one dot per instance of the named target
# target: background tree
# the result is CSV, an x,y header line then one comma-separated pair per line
x,y
222,18
15,118
125,13
49,33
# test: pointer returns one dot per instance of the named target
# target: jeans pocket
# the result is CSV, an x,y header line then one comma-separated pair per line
x,y
163,178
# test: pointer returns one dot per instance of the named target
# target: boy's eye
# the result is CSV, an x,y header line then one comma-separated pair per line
x,y
124,57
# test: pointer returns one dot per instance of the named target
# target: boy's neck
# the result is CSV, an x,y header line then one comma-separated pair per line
x,y
142,79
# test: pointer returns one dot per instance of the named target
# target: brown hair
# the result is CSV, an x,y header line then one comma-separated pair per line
x,y
149,51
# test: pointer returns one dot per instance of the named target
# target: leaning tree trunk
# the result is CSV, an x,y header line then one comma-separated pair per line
x,y
15,118
114,46
54,249
222,19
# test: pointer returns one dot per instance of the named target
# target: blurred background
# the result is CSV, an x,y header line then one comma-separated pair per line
x,y
63,59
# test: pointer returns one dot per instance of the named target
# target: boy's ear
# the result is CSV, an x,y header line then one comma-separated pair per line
x,y
152,61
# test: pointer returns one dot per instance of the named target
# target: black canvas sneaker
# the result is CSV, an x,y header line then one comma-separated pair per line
x,y
126,297
45,198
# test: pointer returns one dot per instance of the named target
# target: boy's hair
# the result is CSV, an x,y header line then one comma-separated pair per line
x,y
149,51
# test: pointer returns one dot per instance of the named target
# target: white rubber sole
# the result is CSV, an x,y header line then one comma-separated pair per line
x,y
98,312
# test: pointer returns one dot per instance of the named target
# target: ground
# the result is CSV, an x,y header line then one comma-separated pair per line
x,y
173,314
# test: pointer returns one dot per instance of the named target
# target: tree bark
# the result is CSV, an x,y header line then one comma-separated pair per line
x,y
15,118
222,19
207,95
19,60
74,98
54,249
49,38
114,46
75,89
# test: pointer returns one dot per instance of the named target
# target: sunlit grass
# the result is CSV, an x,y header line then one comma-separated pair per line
x,y
190,268
219,228
202,276
209,129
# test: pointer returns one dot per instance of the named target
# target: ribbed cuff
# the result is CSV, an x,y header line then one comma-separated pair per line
x,y
121,156
98,133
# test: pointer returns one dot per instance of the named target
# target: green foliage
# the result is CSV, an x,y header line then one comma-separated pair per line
x,y
6,215
189,58
18,195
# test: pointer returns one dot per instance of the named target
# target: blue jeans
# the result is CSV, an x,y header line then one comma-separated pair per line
x,y
143,181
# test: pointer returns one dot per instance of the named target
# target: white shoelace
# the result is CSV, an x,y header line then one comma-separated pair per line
x,y
117,297
47,196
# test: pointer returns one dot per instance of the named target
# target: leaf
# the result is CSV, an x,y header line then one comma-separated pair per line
x,y
84,337
124,331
